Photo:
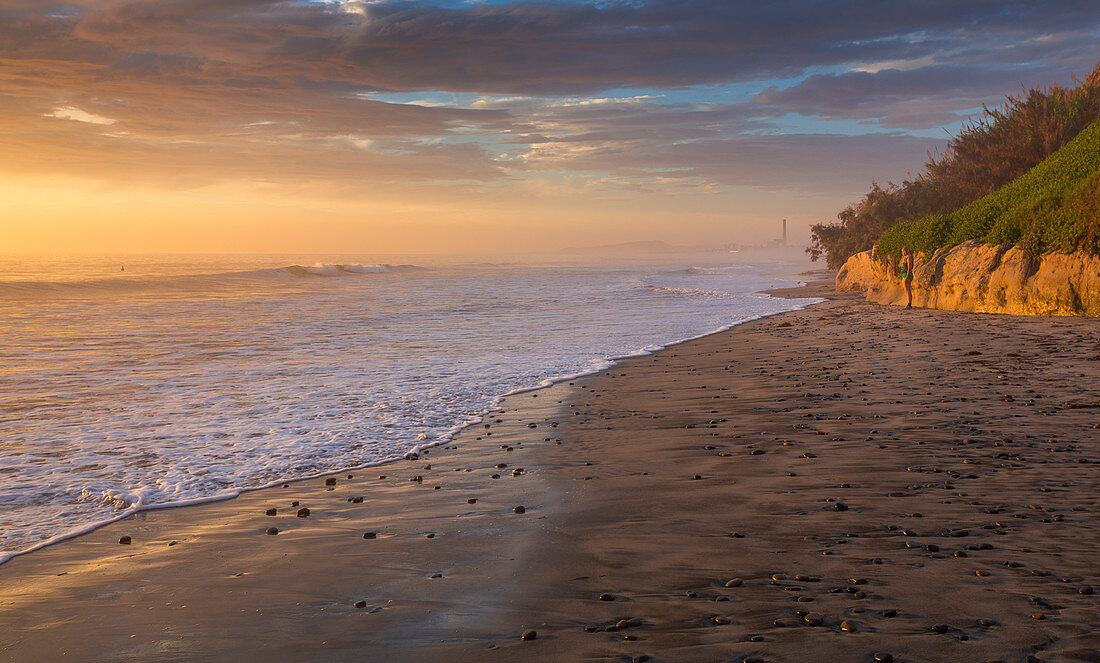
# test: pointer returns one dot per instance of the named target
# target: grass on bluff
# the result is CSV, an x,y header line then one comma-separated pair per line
x,y
1053,207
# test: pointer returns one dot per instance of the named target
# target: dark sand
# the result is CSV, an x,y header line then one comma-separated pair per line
x,y
729,457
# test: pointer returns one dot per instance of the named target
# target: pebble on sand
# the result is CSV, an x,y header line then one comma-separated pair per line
x,y
273,530
303,512
124,540
529,635
734,582
370,535
331,481
519,509
271,512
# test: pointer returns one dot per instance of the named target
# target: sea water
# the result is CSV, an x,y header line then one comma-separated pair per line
x,y
133,382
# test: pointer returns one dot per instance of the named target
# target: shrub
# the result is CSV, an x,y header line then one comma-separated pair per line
x,y
987,154
1052,207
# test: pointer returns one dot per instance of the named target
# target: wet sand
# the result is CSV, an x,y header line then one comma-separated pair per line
x,y
823,485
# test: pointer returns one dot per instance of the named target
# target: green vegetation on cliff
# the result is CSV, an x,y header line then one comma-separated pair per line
x,y
1052,207
1003,145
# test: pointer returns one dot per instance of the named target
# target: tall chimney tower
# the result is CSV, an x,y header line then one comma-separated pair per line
x,y
784,232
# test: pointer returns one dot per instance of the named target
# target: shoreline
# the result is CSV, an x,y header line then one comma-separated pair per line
x,y
660,483
446,438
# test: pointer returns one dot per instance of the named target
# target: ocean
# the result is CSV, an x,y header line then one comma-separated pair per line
x,y
137,382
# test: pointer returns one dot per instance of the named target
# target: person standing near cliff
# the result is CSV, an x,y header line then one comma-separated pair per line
x,y
906,268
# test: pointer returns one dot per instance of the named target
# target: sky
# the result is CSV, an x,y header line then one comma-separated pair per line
x,y
402,126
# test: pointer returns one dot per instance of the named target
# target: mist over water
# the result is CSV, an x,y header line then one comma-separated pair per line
x,y
189,378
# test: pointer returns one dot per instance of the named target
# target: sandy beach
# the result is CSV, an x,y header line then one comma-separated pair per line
x,y
841,483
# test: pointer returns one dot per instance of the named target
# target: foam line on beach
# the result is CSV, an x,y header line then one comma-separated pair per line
x,y
446,437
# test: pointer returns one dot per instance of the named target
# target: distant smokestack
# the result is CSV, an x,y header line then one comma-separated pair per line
x,y
784,232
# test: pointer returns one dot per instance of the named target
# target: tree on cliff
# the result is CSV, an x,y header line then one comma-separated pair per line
x,y
1001,145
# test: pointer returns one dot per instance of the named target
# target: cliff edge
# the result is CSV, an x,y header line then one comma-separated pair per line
x,y
983,278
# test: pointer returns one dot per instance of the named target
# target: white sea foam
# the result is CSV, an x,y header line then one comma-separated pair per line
x,y
110,405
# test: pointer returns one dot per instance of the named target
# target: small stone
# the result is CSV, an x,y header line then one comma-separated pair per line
x,y
690,594
734,582
272,530
519,509
294,503
986,623
124,540
303,512
330,481
591,628
981,573
813,619
370,535
607,597
1085,590
847,627
883,657
840,506
360,604
721,621
271,512
472,500
1038,615
939,628
529,635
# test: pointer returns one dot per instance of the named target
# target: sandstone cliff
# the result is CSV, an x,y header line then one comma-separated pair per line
x,y
982,278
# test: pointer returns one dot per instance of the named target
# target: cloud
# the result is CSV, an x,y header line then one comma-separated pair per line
x,y
70,113
187,91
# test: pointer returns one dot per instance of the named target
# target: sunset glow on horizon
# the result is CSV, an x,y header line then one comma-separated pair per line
x,y
406,127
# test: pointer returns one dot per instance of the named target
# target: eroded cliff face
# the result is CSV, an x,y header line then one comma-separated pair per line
x,y
982,278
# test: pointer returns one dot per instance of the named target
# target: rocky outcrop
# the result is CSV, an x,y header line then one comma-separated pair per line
x,y
982,278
